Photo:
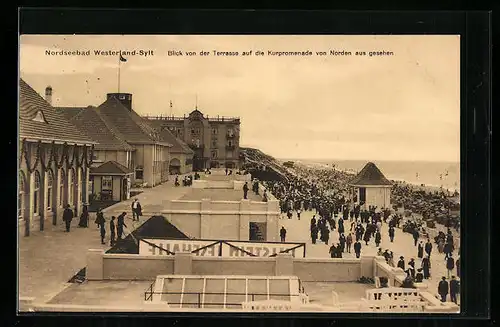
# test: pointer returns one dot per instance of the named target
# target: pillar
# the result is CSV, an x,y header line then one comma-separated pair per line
x,y
183,263
55,191
284,264
95,265
42,206
78,191
85,186
244,220
205,218
272,220
28,203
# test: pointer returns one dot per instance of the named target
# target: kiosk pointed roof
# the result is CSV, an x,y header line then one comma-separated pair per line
x,y
370,175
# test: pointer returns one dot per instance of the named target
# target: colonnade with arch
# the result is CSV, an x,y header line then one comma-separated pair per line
x,y
51,176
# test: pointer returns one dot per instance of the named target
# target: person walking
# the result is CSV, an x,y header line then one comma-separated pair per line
x,y
342,242
416,235
283,234
401,263
314,234
428,248
420,250
357,249
326,235
426,267
378,238
391,233
367,236
68,215
136,210
245,191
102,225
298,214
443,289
120,224
112,233
411,267
454,289
348,242
84,217
391,259
450,265
457,264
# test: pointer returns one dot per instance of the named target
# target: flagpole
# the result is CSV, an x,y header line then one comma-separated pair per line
x,y
119,66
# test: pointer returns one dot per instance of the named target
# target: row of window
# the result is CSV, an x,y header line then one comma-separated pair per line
x,y
72,183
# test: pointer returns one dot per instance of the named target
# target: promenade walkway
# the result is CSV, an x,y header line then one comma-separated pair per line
x,y
403,245
48,259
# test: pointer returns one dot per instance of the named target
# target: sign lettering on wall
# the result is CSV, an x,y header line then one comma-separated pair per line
x,y
213,248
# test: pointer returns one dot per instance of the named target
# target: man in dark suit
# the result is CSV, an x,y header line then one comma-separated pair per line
x,y
401,263
454,289
245,190
357,249
68,217
283,234
443,289
120,224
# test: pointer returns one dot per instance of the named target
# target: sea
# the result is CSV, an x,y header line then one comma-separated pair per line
x,y
433,174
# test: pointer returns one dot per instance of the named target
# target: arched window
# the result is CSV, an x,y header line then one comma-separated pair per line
x,y
22,194
62,179
50,182
71,183
36,194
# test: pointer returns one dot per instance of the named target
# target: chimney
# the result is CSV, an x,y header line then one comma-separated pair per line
x,y
124,98
48,94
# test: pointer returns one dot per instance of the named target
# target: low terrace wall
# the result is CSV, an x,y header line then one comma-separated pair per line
x,y
229,220
106,266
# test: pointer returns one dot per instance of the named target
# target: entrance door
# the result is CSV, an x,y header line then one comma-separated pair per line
x,y
257,231
124,189
362,195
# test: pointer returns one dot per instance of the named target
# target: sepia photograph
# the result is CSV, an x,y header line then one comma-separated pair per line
x,y
239,173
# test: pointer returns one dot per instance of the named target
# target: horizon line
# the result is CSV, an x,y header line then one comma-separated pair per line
x,y
371,160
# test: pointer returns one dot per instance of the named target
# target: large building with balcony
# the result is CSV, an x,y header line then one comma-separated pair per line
x,y
214,140
55,159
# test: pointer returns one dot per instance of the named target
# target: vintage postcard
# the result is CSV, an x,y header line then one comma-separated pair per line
x,y
169,173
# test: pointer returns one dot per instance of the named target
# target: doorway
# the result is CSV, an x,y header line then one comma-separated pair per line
x,y
257,231
362,194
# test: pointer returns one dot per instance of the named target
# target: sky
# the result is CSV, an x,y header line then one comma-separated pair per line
x,y
402,107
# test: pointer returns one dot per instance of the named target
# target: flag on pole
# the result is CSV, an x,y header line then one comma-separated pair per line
x,y
122,59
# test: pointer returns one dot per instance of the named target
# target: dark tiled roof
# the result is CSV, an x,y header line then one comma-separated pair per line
x,y
177,144
154,227
57,127
370,175
110,167
70,112
128,123
108,136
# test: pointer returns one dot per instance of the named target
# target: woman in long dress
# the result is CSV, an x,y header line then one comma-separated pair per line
x,y
84,217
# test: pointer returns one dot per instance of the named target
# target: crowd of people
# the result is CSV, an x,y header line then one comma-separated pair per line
x,y
324,192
